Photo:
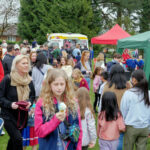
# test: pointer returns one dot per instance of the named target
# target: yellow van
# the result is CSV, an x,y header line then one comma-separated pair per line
x,y
67,40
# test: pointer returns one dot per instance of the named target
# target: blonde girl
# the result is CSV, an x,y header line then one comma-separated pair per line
x,y
100,60
78,79
49,121
66,66
87,118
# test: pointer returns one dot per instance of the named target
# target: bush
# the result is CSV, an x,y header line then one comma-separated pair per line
x,y
11,42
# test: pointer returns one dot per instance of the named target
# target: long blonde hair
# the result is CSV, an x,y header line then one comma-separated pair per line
x,y
100,57
47,93
83,97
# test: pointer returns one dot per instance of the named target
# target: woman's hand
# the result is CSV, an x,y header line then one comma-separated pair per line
x,y
14,105
28,106
61,116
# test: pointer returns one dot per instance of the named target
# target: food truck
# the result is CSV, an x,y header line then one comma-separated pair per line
x,y
67,40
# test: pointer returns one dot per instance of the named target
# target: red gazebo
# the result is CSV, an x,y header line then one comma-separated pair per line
x,y
111,37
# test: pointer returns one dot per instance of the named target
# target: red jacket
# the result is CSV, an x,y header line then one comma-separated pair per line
x,y
1,72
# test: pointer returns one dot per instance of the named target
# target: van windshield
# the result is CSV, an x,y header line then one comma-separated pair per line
x,y
71,43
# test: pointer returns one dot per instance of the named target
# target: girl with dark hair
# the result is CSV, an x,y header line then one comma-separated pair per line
x,y
39,71
110,122
135,108
96,85
104,79
117,84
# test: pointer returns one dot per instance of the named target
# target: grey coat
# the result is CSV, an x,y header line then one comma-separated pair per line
x,y
88,128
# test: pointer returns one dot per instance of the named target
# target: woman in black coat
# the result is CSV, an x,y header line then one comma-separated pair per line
x,y
16,87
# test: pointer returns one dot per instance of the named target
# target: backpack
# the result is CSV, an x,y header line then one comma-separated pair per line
x,y
110,64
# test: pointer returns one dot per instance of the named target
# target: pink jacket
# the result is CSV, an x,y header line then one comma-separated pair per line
x,y
109,130
1,71
43,130
96,83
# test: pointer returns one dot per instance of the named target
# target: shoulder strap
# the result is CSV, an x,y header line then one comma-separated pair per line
x,y
41,71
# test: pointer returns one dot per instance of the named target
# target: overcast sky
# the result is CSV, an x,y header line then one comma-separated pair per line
x,y
4,5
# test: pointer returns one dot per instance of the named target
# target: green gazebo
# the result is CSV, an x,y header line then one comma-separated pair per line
x,y
140,41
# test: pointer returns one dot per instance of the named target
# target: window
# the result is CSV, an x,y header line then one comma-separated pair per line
x,y
12,38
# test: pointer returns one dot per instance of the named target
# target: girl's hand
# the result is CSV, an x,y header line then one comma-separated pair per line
x,y
28,106
31,111
91,145
88,72
14,105
61,116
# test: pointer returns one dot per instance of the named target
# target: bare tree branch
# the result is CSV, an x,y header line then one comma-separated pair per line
x,y
9,11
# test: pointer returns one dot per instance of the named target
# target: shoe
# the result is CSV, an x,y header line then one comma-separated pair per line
x,y
3,133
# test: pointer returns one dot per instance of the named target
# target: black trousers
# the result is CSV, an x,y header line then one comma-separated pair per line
x,y
84,147
15,141
97,98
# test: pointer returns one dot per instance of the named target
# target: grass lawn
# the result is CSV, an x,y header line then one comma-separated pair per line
x,y
4,139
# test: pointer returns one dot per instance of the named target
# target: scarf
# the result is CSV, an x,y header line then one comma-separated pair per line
x,y
78,80
22,85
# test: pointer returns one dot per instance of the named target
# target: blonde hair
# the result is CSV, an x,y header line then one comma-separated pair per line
x,y
71,62
64,54
100,57
47,93
82,58
24,51
83,97
78,73
17,59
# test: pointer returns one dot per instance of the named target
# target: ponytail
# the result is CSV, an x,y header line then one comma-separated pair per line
x,y
142,84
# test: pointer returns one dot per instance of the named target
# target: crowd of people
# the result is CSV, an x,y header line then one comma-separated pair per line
x,y
45,101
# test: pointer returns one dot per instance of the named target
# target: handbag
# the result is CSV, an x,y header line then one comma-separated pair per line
x,y
22,107
72,132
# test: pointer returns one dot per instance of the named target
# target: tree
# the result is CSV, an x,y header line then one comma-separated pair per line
x,y
37,18
122,12
145,16
8,9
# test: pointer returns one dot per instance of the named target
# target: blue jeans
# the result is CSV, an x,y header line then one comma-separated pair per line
x,y
120,145
88,81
